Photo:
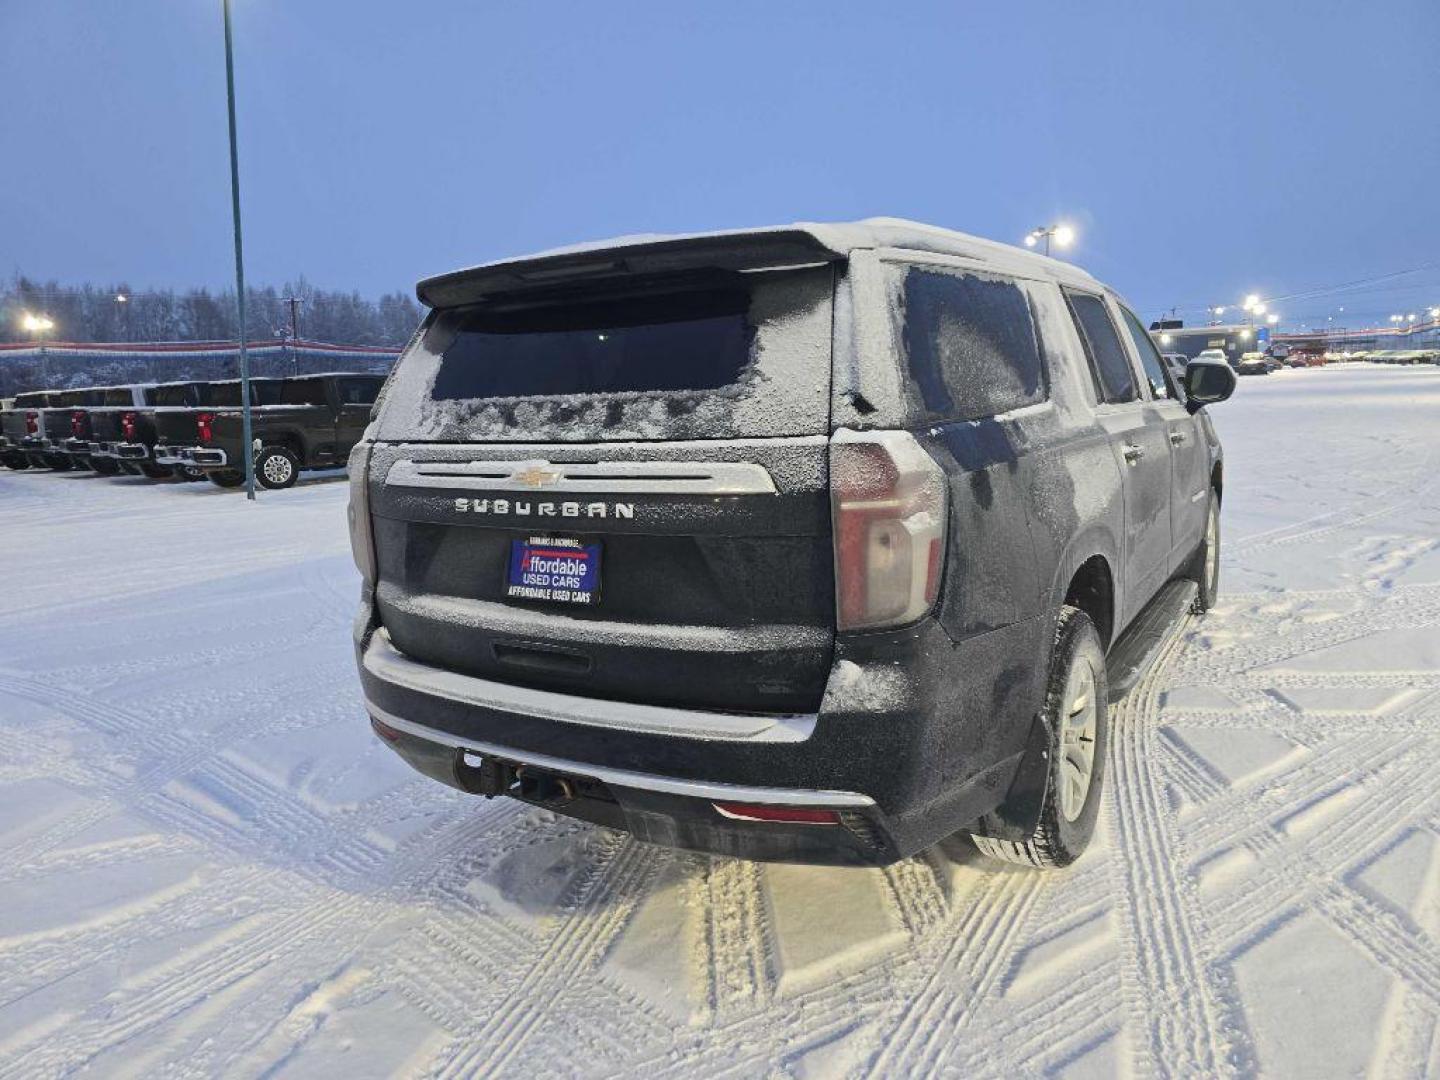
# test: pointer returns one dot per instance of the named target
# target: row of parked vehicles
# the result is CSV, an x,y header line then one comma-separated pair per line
x,y
192,430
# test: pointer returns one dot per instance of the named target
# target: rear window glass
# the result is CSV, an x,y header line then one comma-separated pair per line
x,y
302,392
119,396
183,394
358,391
262,392
969,342
725,356
31,401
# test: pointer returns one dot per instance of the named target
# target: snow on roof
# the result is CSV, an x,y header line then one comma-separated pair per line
x,y
740,249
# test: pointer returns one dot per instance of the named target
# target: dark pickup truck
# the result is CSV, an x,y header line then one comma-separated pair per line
x,y
124,434
310,422
67,428
22,435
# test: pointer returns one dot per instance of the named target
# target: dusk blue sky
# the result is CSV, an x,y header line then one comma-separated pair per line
x,y
1202,150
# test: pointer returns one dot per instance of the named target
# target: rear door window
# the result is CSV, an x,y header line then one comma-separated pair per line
x,y
358,391
969,342
303,392
181,395
119,396
704,357
1113,373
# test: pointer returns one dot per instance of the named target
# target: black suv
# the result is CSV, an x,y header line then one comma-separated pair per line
x,y
817,543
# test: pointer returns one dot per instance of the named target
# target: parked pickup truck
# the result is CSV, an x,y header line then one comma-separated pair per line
x,y
22,438
67,428
309,422
123,431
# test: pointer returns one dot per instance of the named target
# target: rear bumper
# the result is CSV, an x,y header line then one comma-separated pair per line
x,y
207,457
173,455
129,451
902,769
78,447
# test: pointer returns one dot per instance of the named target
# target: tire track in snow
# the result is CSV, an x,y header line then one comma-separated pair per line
x,y
1185,1022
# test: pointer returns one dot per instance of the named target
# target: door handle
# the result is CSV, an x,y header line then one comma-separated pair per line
x,y
1176,438
1133,453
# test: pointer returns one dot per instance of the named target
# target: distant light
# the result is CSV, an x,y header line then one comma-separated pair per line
x,y
1064,235
1435,313
35,323
121,298
1219,311
1273,319
1030,239
1258,309
1165,339
1244,335
1251,301
602,337
1410,317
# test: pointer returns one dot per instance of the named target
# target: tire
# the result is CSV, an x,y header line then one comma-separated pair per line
x,y
1076,714
17,461
105,466
1205,569
58,462
130,468
156,472
276,468
227,478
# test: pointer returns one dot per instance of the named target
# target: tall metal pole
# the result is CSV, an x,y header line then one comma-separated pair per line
x,y
239,260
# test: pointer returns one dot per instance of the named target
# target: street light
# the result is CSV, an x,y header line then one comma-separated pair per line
x,y
40,325
1063,235
1272,319
246,433
1258,309
1251,301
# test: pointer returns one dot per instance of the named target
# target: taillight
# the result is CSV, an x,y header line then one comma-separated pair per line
x,y
202,424
362,541
127,424
32,423
888,501
77,423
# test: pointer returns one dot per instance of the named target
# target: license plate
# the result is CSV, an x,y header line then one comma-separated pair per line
x,y
553,570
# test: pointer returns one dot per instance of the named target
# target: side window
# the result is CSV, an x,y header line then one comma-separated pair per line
x,y
1102,344
1150,361
358,391
969,342
302,392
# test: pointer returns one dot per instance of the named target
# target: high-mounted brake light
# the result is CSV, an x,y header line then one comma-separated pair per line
x,y
77,423
888,501
32,423
202,424
362,540
794,815
127,424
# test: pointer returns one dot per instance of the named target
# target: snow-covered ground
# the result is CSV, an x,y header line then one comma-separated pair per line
x,y
209,865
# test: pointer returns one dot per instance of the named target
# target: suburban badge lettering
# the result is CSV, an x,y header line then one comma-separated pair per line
x,y
524,507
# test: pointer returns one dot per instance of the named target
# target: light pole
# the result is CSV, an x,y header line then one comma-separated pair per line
x,y
124,302
239,259
39,326
1064,236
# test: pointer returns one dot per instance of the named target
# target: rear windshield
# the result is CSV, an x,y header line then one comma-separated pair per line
x,y
730,356
119,395
72,398
302,392
262,392
36,400
181,394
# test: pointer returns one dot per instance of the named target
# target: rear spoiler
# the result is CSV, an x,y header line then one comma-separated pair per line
x,y
770,248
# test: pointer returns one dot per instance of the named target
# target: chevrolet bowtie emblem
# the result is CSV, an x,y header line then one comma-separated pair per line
x,y
537,477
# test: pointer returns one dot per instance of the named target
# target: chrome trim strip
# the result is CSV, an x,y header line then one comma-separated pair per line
x,y
694,789
613,477
389,664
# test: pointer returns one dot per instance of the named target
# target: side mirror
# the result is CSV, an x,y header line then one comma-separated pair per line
x,y
1207,382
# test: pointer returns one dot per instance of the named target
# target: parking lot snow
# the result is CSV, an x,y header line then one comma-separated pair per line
x,y
209,865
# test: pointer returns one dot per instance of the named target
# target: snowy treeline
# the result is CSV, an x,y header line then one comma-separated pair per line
x,y
90,312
